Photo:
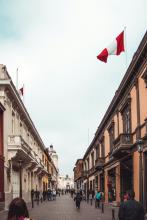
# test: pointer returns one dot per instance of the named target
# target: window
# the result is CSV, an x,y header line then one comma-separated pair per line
x,y
103,147
13,122
126,116
111,135
20,128
92,159
87,163
97,151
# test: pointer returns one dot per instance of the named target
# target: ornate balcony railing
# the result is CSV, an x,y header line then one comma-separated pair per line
x,y
122,144
99,163
79,175
92,170
16,142
85,173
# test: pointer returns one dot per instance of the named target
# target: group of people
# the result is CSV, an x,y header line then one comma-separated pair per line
x,y
49,195
80,195
130,209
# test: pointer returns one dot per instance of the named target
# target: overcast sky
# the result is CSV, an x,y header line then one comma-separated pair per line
x,y
54,44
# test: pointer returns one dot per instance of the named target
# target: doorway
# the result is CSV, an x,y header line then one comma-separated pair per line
x,y
126,174
15,184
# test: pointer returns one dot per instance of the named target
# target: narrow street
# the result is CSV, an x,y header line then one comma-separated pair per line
x,y
64,209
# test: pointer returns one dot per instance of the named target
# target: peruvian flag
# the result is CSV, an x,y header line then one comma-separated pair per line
x,y
115,48
21,91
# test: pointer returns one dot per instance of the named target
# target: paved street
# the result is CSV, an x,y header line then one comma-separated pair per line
x,y
64,209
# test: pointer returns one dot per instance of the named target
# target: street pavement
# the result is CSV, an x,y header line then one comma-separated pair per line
x,y
63,208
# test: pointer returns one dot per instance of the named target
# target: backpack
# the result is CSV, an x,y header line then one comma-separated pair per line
x,y
98,195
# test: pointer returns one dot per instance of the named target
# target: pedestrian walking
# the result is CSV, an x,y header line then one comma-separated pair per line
x,y
84,196
131,209
18,210
90,197
98,198
54,194
49,194
44,195
77,200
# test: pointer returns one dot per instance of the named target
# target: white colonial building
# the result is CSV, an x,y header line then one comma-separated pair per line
x,y
21,148
65,182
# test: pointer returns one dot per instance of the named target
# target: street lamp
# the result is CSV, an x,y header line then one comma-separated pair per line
x,y
20,178
140,150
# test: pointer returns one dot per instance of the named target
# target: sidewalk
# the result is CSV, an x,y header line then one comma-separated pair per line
x,y
63,208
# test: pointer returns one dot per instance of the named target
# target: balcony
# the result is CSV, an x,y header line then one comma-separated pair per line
x,y
85,174
92,170
99,163
122,145
18,149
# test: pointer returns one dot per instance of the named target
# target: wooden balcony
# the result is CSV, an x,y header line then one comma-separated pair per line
x,y
122,145
79,175
99,163
91,171
85,174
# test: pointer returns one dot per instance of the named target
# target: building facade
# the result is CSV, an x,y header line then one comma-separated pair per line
x,y
65,183
22,150
53,167
116,160
53,154
78,175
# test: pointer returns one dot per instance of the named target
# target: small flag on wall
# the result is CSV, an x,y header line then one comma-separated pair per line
x,y
115,48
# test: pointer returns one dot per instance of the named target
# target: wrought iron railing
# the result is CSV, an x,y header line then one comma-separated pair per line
x,y
123,140
99,162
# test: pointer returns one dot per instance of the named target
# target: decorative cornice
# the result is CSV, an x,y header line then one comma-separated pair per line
x,y
5,80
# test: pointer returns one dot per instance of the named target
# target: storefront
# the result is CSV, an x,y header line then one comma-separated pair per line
x,y
111,184
102,182
126,176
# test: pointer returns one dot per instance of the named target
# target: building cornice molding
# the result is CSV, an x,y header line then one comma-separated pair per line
x,y
12,91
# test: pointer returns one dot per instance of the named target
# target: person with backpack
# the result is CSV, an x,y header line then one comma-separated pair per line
x,y
98,198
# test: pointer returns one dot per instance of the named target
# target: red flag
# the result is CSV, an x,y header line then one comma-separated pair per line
x,y
115,48
21,91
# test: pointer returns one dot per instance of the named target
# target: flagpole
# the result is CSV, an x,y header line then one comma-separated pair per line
x,y
17,79
125,41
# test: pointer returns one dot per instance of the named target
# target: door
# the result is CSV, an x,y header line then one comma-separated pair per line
x,y
126,172
15,184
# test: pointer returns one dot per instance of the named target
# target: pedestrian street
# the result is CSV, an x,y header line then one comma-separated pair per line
x,y
63,208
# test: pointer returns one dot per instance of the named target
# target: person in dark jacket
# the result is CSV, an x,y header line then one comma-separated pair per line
x,y
131,209
78,199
